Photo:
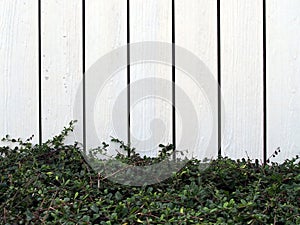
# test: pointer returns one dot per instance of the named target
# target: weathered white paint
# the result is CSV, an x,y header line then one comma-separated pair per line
x,y
283,72
61,63
106,31
150,20
242,77
18,69
196,31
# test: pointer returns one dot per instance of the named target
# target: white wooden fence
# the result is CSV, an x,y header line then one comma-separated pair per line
x,y
41,66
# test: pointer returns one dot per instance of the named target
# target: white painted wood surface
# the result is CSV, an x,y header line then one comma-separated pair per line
x,y
242,75
283,72
105,32
151,117
196,31
61,63
19,69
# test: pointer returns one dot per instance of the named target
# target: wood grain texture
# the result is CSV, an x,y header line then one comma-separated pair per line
x,y
196,31
18,69
242,77
151,116
61,63
283,73
105,32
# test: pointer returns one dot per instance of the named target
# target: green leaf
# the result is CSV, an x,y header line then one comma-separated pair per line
x,y
94,208
118,195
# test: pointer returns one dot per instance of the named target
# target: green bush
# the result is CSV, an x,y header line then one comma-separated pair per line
x,y
52,184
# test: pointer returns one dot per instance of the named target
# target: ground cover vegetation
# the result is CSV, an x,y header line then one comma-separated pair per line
x,y
53,184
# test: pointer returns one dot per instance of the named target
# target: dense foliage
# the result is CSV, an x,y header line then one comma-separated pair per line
x,y
52,184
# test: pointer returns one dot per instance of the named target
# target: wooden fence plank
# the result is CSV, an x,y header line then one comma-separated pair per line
x,y
283,70
61,63
19,69
105,32
196,31
242,77
151,117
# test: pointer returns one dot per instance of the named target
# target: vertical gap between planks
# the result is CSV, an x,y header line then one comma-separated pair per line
x,y
128,72
219,75
173,81
83,76
264,86
40,70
